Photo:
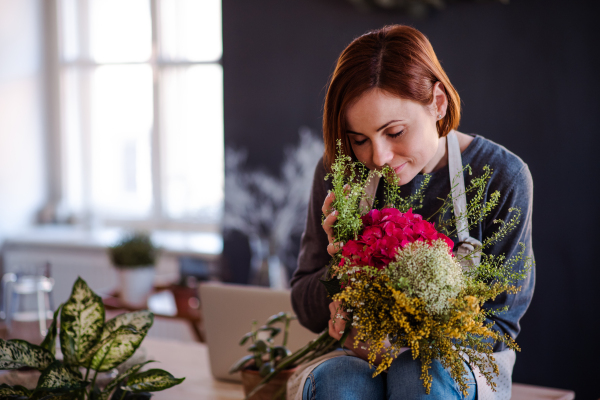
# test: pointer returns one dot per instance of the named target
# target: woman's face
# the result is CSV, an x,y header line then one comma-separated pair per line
x,y
385,129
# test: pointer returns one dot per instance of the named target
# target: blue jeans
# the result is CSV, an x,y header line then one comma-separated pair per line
x,y
348,377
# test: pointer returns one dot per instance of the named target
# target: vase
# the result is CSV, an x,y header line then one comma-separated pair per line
x,y
136,285
251,378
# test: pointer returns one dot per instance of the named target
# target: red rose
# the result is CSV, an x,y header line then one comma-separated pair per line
x,y
385,231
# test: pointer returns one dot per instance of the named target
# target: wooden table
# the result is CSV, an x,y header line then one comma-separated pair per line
x,y
191,360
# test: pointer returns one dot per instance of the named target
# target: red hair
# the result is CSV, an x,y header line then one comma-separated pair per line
x,y
397,59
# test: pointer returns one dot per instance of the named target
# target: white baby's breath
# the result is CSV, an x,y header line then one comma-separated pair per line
x,y
429,272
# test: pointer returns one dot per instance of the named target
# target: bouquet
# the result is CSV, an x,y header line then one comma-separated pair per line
x,y
402,283
398,277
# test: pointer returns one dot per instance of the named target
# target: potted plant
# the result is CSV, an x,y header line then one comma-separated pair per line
x,y
90,346
134,257
264,358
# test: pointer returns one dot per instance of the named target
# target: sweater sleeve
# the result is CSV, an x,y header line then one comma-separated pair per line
x,y
516,192
309,297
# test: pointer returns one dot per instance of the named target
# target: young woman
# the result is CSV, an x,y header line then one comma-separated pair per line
x,y
390,102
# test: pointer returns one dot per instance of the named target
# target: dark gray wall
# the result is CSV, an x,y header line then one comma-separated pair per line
x,y
528,77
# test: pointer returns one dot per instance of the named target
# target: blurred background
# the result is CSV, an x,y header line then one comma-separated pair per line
x,y
200,121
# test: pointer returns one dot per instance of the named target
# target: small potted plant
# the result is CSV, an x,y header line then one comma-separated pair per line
x,y
264,358
134,257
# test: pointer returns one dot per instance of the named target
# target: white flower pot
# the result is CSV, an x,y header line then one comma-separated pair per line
x,y
136,285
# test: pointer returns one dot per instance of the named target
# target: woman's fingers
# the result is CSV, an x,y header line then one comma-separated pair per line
x,y
328,225
327,209
333,248
337,322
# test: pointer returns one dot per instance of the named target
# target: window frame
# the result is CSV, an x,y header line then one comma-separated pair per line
x,y
55,67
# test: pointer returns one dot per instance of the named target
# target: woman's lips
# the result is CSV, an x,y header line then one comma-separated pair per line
x,y
399,168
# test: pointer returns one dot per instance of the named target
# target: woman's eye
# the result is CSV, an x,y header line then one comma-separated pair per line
x,y
360,142
395,135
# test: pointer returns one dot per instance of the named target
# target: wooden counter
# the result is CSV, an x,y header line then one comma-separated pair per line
x,y
189,360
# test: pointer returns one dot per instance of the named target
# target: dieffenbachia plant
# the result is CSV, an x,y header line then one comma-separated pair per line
x,y
89,345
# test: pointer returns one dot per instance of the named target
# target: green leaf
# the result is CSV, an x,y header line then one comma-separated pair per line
x,y
102,356
239,365
59,378
259,346
17,353
274,331
332,285
117,343
81,323
49,342
14,392
115,382
276,318
281,351
152,380
246,337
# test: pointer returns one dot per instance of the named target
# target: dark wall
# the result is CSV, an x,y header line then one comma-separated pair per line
x,y
528,77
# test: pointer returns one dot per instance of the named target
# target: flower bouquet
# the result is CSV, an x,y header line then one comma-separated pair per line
x,y
398,277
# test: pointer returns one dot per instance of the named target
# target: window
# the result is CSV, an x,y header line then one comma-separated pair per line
x,y
141,111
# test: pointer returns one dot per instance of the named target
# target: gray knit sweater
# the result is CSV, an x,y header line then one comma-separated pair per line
x,y
511,177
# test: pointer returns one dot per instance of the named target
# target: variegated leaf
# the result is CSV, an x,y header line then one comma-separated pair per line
x,y
114,349
113,384
59,378
49,342
19,353
16,392
81,322
152,380
122,346
141,320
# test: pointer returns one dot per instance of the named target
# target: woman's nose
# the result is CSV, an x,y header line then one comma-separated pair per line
x,y
382,154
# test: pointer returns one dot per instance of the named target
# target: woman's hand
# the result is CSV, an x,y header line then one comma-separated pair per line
x,y
337,320
330,218
337,324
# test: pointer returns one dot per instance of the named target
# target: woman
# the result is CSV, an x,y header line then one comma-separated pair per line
x,y
390,102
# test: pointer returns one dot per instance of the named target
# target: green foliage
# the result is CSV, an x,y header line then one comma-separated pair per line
x,y
349,180
59,378
81,323
87,342
121,336
121,378
17,353
14,392
152,380
478,208
49,342
265,355
134,250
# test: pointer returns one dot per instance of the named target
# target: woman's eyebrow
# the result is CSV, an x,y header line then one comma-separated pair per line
x,y
385,125
382,127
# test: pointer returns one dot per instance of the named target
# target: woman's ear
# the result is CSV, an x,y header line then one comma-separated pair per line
x,y
440,101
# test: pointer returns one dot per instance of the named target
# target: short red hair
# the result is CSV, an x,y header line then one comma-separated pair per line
x,y
397,59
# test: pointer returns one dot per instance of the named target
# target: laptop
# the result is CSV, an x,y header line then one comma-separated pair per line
x,y
228,311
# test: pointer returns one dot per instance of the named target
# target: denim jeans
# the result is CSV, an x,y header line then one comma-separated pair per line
x,y
347,377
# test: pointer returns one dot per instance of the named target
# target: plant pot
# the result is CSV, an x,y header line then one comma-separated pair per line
x,y
251,378
136,285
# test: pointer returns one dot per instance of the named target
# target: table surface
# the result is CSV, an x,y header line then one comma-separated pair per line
x,y
191,360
